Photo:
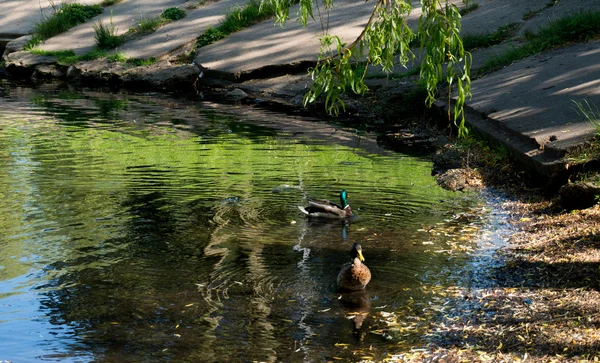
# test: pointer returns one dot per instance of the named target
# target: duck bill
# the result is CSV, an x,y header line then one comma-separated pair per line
x,y
360,256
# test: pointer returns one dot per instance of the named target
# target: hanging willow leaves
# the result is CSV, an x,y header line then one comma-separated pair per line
x,y
385,42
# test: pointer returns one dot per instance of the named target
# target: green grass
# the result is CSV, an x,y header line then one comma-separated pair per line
x,y
173,14
590,112
235,20
56,53
106,37
579,27
63,18
94,54
484,40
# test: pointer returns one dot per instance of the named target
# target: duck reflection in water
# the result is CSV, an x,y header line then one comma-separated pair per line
x,y
357,305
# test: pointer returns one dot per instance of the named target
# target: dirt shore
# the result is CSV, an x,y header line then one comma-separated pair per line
x,y
541,302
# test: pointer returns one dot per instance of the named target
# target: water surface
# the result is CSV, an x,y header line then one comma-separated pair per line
x,y
143,228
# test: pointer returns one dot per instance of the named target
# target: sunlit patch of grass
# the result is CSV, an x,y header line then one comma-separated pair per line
x,y
116,57
53,53
579,27
235,20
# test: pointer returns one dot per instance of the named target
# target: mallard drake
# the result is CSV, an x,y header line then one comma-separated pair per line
x,y
354,275
325,208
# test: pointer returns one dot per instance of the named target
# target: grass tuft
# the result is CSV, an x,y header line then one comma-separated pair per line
x,y
147,26
173,14
106,37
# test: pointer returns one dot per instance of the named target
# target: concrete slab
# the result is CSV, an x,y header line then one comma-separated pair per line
x,y
179,33
124,15
20,17
267,45
533,99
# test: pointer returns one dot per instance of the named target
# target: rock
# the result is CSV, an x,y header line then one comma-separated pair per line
x,y
21,62
460,179
47,71
453,179
16,45
579,195
235,94
162,75
73,73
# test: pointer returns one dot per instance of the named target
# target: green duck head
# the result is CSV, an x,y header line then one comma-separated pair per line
x,y
356,251
344,198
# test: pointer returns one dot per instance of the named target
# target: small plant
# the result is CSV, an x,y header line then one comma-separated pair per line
x,y
210,35
173,14
106,37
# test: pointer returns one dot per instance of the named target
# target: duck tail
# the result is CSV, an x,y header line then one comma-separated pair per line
x,y
303,210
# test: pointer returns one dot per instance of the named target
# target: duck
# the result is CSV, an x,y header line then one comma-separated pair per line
x,y
327,209
354,275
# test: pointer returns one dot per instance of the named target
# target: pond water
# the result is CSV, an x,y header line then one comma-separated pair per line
x,y
144,228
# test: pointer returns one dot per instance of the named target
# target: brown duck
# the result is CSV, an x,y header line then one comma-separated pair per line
x,y
354,275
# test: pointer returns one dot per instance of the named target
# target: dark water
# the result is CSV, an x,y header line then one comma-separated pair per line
x,y
140,228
